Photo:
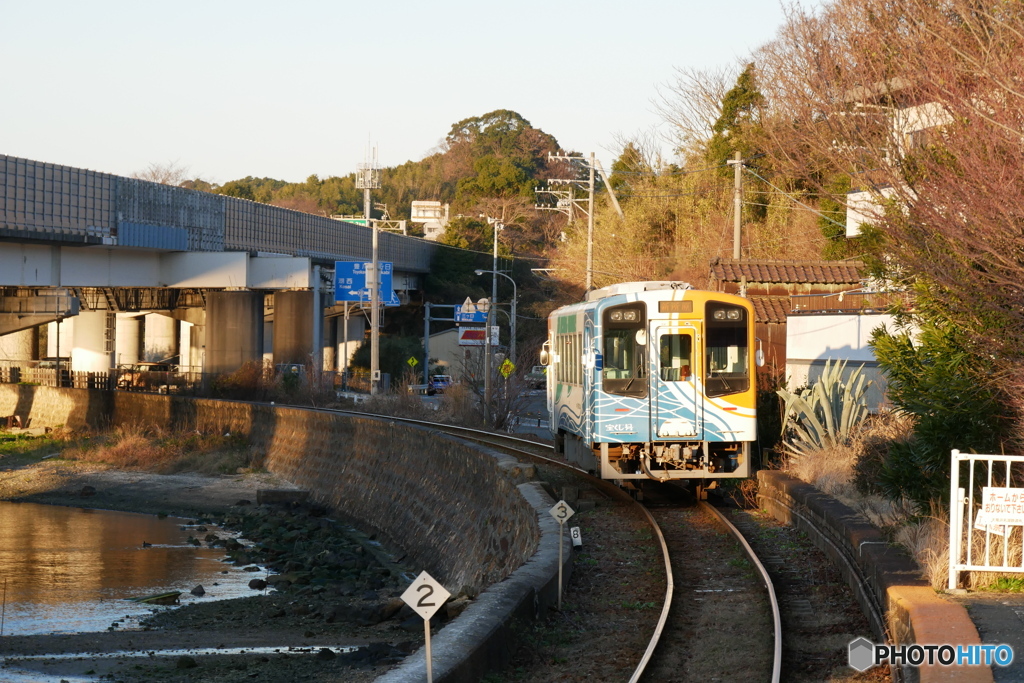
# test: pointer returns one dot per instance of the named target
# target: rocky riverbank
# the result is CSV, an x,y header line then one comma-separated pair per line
x,y
325,603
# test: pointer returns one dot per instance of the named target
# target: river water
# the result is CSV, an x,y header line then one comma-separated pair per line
x,y
70,570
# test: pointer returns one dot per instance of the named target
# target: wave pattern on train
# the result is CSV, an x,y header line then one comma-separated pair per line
x,y
653,380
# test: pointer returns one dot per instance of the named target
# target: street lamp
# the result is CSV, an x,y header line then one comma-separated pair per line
x,y
515,297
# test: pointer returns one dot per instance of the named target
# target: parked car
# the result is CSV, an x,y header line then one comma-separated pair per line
x,y
438,384
537,377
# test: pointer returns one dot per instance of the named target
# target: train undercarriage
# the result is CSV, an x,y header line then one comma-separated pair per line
x,y
659,461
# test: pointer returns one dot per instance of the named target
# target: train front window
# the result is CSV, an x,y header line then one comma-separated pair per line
x,y
675,352
725,335
624,350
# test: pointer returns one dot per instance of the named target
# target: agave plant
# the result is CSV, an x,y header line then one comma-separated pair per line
x,y
827,412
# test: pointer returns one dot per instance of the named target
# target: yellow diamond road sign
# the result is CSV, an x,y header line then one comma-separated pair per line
x,y
507,368
412,362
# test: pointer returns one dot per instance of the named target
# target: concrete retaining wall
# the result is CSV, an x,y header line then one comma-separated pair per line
x,y
452,506
883,576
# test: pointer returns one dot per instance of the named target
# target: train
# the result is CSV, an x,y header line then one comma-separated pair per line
x,y
654,381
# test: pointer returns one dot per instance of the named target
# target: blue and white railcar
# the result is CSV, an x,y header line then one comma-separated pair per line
x,y
653,380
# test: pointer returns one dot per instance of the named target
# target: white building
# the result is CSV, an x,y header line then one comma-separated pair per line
x,y
433,215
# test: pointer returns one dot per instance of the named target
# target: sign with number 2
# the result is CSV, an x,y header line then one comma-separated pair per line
x,y
425,595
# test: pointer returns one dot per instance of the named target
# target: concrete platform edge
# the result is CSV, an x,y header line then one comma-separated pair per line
x,y
884,576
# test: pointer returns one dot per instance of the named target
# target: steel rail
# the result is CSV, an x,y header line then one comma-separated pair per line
x,y
776,614
666,607
496,439
874,609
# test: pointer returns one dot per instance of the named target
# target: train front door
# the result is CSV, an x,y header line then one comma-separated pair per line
x,y
676,409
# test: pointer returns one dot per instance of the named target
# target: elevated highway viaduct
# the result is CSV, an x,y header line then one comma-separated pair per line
x,y
107,270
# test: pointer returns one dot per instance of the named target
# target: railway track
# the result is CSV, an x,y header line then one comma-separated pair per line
x,y
736,585
715,611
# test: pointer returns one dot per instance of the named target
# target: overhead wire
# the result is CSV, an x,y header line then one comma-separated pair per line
x,y
780,190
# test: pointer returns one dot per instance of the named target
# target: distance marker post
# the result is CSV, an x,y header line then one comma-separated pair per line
x,y
425,595
561,512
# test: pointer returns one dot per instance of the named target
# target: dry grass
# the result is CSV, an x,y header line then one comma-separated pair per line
x,y
927,540
836,470
924,533
458,405
134,447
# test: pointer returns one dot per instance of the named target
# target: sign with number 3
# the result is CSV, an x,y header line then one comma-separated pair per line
x,y
561,512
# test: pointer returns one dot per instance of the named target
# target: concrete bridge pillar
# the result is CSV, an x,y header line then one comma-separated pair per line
x,y
234,330
356,334
127,339
59,337
293,326
161,337
90,350
23,345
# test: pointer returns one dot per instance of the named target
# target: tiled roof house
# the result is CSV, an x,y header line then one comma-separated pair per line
x,y
769,286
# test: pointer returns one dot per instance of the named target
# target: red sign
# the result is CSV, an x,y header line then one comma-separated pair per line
x,y
474,336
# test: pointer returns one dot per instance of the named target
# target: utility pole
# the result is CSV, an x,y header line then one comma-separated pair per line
x,y
566,203
487,330
368,179
737,204
590,229
737,214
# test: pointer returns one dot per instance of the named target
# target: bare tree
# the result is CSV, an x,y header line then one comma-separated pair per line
x,y
922,104
170,173
692,102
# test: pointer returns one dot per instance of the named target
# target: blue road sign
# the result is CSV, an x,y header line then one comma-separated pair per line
x,y
470,316
350,282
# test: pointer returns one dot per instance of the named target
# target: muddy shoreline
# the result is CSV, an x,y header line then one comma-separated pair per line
x,y
340,593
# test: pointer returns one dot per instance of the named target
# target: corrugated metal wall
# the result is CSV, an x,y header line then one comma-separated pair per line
x,y
64,204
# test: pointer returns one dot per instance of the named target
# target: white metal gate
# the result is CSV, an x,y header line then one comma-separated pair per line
x,y
986,518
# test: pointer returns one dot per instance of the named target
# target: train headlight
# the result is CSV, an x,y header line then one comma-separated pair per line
x,y
720,314
733,314
629,316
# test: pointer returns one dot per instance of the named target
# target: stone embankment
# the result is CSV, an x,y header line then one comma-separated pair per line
x,y
899,602
470,517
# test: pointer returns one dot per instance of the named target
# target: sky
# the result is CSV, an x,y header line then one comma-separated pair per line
x,y
228,89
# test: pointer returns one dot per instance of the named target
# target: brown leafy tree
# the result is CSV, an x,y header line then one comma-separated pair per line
x,y
921,103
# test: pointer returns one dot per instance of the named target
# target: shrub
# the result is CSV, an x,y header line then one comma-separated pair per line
x,y
826,413
947,388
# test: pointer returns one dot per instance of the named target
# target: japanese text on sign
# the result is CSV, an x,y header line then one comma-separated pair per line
x,y
1001,506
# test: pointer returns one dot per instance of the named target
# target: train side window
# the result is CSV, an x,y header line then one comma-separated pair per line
x,y
676,355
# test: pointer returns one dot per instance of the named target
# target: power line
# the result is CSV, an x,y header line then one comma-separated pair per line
x,y
660,196
780,190
672,173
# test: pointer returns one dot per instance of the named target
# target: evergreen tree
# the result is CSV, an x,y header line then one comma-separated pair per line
x,y
737,128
